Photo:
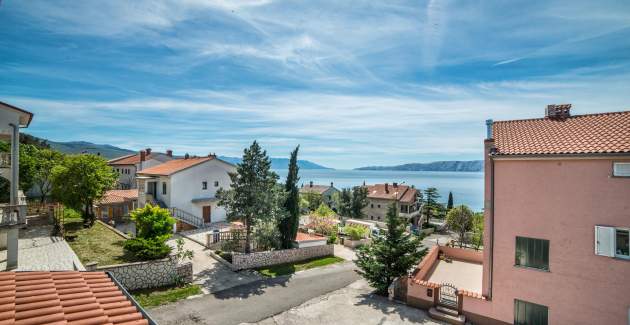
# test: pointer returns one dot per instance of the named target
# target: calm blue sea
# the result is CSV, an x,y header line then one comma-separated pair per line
x,y
467,187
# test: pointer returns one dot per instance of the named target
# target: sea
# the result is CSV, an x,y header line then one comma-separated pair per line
x,y
467,187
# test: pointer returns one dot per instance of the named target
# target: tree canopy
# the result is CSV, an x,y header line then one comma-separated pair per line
x,y
460,220
289,224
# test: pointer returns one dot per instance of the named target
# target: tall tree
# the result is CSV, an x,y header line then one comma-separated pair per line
x,y
460,220
80,180
45,161
289,225
449,204
431,196
359,201
389,256
253,195
344,203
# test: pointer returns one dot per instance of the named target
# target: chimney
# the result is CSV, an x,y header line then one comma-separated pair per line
x,y
489,129
186,156
386,188
395,184
331,184
148,150
559,112
310,184
169,153
212,155
143,155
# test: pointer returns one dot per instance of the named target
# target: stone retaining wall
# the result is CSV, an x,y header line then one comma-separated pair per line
x,y
260,259
148,274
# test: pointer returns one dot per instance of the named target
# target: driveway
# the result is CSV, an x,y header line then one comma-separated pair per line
x,y
210,273
354,304
257,300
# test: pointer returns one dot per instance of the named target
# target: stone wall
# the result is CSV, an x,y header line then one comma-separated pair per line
x,y
148,274
268,258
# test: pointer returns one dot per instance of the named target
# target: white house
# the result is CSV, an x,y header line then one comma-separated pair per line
x,y
188,187
128,166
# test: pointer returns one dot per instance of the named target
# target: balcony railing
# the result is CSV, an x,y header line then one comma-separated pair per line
x,y
188,218
5,160
10,215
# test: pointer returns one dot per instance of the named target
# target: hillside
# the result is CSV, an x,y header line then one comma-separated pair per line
x,y
436,166
280,163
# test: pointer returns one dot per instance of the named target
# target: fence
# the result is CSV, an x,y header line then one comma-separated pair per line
x,y
231,240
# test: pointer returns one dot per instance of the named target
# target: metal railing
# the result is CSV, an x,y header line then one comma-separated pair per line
x,y
188,218
10,215
5,160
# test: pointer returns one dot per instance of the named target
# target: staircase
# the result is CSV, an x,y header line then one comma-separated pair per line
x,y
188,218
447,314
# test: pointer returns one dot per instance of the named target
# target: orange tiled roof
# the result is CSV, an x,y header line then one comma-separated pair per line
x,y
173,166
127,160
319,189
579,134
302,236
74,297
119,196
402,193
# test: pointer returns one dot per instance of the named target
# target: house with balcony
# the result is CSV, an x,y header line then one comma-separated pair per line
x,y
12,213
556,228
381,196
128,166
327,193
188,187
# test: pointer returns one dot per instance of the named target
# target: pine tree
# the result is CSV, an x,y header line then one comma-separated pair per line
x,y
254,195
289,224
449,204
345,202
359,201
430,202
391,255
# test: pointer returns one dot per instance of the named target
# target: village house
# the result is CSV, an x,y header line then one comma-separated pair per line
x,y
128,166
116,204
556,228
381,196
327,193
188,187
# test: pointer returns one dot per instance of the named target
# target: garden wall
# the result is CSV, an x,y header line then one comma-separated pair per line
x,y
268,258
148,274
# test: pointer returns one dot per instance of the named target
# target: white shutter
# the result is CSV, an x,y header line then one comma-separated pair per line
x,y
605,241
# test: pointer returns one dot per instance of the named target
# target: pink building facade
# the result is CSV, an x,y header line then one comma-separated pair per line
x,y
557,220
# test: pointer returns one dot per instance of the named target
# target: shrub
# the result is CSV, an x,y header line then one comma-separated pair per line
x,y
147,249
153,222
332,239
356,232
324,225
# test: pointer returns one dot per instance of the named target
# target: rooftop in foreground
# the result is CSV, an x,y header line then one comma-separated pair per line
x,y
460,273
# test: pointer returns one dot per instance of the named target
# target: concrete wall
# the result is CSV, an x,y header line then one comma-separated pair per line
x,y
465,254
268,258
186,185
561,201
148,274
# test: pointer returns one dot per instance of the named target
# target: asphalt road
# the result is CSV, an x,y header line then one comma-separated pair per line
x,y
252,302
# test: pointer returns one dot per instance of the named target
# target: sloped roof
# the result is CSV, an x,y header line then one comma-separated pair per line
x,y
173,166
319,189
25,116
580,134
402,193
133,159
303,237
119,196
73,297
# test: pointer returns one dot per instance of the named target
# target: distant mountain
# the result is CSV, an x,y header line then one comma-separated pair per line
x,y
280,163
436,166
106,150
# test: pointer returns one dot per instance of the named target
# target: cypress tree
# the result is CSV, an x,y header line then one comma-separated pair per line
x,y
449,204
289,224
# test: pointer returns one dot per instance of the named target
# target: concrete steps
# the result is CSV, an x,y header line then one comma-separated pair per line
x,y
447,315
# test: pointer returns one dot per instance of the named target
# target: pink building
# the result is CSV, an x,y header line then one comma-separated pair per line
x,y
557,221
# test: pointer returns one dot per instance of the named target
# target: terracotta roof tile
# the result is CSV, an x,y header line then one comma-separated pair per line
x,y
580,134
173,166
118,196
319,189
33,298
399,192
302,236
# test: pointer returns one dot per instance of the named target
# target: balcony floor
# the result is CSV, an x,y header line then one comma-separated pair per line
x,y
462,274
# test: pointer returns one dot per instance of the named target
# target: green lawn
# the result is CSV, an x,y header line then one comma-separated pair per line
x,y
290,268
97,244
160,296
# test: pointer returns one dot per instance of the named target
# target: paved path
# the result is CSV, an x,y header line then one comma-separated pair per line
x,y
345,253
210,273
354,304
257,300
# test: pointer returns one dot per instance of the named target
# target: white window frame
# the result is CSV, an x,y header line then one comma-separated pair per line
x,y
617,168
626,257
606,236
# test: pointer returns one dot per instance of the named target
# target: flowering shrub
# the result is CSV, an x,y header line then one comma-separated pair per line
x,y
323,225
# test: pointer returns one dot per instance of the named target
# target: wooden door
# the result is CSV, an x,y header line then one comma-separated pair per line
x,y
207,210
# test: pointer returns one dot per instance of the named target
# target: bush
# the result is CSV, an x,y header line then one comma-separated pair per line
x,y
356,232
147,249
332,239
153,222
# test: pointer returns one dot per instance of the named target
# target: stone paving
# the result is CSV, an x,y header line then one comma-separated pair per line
x,y
38,251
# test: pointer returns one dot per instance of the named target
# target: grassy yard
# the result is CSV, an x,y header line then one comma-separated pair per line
x,y
166,295
96,244
290,268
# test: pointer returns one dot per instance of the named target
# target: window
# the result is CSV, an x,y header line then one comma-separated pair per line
x,y
379,206
204,185
372,205
612,242
216,183
621,169
531,252
527,313
164,188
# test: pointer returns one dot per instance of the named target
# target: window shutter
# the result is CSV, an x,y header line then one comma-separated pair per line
x,y
604,241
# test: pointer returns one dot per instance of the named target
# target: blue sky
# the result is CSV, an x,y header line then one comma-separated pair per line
x,y
353,82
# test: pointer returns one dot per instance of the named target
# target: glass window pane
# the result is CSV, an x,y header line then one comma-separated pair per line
x,y
622,246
